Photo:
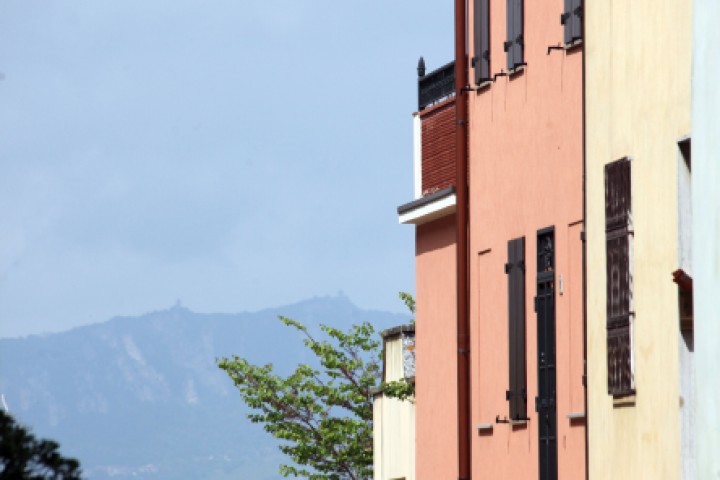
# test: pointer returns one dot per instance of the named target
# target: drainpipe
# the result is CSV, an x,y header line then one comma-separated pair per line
x,y
461,191
584,253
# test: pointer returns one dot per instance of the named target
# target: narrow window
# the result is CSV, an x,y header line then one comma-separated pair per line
x,y
618,249
571,19
514,43
515,269
683,275
481,60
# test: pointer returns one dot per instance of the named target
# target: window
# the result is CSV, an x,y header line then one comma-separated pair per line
x,y
571,19
481,60
682,276
515,270
514,43
618,249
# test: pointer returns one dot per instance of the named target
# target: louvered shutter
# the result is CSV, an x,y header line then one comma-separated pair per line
x,y
515,269
571,19
481,60
566,20
510,32
518,40
618,237
576,19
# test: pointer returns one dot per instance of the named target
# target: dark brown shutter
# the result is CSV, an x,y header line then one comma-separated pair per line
x,y
619,281
481,60
515,269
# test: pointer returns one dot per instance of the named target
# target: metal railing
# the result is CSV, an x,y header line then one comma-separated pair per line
x,y
436,85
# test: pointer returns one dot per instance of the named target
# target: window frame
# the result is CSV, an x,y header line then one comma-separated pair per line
x,y
620,313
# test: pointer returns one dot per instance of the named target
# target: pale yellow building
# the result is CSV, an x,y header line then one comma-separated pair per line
x,y
637,100
393,419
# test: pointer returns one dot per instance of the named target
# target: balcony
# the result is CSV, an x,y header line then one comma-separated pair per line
x,y
434,147
436,85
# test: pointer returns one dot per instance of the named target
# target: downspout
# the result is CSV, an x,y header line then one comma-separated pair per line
x,y
584,251
461,191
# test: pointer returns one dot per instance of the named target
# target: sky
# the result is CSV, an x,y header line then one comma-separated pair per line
x,y
230,155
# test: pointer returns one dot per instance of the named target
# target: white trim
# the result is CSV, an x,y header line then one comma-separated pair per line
x,y
417,154
518,422
423,214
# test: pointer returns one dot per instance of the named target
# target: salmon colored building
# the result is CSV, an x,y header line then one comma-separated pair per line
x,y
499,321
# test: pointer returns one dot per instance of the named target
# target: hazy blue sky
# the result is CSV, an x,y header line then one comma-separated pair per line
x,y
232,154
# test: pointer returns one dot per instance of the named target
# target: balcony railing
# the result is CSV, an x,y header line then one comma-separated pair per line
x,y
436,85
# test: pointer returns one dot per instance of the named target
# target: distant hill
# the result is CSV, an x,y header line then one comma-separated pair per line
x,y
142,398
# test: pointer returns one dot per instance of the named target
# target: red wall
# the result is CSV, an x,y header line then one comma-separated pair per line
x,y
438,146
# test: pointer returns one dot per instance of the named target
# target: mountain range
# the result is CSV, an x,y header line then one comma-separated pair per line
x,y
141,397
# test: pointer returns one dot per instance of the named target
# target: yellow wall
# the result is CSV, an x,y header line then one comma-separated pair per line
x,y
637,104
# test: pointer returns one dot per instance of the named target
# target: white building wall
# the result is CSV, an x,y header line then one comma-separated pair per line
x,y
417,155
393,424
706,232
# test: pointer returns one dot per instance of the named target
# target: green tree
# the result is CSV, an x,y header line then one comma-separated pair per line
x,y
23,457
323,415
409,302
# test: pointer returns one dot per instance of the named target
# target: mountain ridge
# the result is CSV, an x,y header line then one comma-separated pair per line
x,y
128,396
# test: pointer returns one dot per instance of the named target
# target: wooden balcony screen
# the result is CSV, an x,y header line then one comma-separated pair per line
x,y
438,147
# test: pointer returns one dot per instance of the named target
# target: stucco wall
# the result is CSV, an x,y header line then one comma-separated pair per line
x,y
394,424
706,231
637,105
436,347
525,175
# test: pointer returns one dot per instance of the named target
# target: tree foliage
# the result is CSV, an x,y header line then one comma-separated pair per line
x,y
409,302
23,457
323,415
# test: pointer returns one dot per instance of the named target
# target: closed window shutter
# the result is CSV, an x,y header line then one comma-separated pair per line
x,y
515,269
618,237
519,42
566,20
576,19
571,19
510,31
481,61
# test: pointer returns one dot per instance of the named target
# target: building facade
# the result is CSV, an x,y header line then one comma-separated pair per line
x,y
433,214
525,277
706,232
592,247
394,419
639,332
526,222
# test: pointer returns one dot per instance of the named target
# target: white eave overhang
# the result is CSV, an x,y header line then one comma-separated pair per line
x,y
429,207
